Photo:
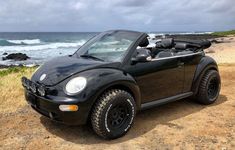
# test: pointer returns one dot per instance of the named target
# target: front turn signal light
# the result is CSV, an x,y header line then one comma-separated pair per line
x,y
68,107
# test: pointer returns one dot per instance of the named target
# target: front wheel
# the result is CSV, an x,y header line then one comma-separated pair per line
x,y
209,87
113,114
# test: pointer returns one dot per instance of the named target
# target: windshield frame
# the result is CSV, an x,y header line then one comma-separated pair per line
x,y
82,50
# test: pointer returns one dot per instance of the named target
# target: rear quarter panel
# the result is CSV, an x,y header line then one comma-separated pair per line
x,y
190,67
206,63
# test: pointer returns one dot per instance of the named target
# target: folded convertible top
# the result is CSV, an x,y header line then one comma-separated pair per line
x,y
204,44
183,44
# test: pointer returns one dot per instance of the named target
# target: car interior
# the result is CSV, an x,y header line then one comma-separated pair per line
x,y
169,47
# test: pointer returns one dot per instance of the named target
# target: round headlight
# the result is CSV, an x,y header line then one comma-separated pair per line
x,y
75,85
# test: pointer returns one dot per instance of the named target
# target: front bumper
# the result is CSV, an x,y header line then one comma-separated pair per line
x,y
50,108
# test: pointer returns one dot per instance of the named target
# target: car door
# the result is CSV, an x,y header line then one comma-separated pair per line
x,y
159,78
190,65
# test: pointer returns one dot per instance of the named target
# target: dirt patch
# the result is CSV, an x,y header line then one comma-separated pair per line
x,y
181,125
224,52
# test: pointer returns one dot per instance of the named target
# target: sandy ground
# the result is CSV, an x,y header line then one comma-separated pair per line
x,y
179,125
224,52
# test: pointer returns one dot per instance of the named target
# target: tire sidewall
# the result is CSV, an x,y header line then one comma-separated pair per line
x,y
120,98
214,74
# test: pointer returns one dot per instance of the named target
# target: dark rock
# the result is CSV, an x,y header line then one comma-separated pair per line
x,y
5,53
7,66
16,57
47,137
215,41
3,66
214,141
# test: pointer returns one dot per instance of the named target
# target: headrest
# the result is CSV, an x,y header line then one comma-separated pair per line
x,y
165,43
181,46
144,42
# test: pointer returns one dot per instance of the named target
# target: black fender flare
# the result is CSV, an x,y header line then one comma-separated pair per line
x,y
102,79
205,64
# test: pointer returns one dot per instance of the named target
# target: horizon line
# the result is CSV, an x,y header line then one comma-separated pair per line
x,y
106,30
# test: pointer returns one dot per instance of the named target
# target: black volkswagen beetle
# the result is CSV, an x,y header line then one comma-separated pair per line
x,y
117,73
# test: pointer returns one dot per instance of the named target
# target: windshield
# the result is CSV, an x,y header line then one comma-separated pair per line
x,y
108,46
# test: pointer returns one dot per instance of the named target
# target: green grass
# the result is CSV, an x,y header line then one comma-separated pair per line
x,y
11,90
224,33
21,70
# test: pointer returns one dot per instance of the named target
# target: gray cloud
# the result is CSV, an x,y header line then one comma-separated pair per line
x,y
93,15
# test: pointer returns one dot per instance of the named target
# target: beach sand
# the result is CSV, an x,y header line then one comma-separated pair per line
x,y
224,52
179,125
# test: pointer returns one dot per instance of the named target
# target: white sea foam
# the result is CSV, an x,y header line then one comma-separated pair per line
x,y
41,47
26,41
152,35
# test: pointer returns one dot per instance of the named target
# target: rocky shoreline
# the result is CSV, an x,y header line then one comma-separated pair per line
x,y
20,65
15,57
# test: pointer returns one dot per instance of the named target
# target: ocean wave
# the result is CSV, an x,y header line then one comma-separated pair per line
x,y
152,35
7,43
26,41
41,47
19,42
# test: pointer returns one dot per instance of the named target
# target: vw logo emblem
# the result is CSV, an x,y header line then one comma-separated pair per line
x,y
43,77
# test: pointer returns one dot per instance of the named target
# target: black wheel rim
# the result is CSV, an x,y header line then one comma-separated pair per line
x,y
118,116
213,88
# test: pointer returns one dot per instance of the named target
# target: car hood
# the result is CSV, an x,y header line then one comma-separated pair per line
x,y
59,69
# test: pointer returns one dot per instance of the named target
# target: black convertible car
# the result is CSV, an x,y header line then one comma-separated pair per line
x,y
115,74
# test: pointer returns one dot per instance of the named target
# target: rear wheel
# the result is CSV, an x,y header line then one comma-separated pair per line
x,y
113,114
209,87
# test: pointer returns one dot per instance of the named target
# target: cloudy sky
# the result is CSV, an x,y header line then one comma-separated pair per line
x,y
99,15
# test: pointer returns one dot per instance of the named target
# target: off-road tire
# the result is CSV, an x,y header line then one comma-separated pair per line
x,y
203,95
102,117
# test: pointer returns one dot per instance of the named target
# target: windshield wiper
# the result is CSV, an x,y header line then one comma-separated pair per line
x,y
92,57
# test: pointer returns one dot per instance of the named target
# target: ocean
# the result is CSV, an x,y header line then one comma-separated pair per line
x,y
42,46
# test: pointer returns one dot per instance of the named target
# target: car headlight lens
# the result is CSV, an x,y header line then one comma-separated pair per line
x,y
75,85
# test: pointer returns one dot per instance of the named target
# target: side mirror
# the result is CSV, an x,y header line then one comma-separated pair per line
x,y
143,55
